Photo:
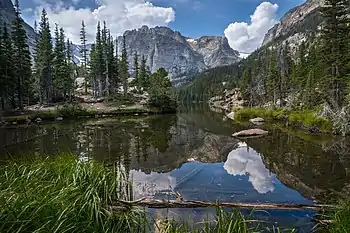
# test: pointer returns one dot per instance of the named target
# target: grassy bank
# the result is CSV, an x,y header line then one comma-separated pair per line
x,y
62,195
65,194
307,120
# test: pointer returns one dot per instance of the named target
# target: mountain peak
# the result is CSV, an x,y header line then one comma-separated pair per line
x,y
180,56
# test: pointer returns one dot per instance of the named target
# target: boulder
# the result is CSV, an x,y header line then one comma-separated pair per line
x,y
59,119
231,115
143,102
257,120
38,120
80,82
250,133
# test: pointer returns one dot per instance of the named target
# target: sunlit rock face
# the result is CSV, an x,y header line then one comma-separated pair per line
x,y
297,25
178,55
7,15
245,161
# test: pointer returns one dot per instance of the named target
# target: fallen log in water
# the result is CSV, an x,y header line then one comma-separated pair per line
x,y
168,204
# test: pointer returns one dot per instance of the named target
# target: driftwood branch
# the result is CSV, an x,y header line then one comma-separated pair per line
x,y
168,204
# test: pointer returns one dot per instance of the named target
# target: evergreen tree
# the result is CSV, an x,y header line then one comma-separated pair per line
x,y
136,72
44,59
83,53
124,68
335,41
99,62
272,78
21,57
160,91
7,77
112,66
68,82
59,65
143,76
105,66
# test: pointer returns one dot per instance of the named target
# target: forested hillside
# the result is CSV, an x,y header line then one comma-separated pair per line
x,y
307,74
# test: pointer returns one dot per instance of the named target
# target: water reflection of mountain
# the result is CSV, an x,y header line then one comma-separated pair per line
x,y
305,166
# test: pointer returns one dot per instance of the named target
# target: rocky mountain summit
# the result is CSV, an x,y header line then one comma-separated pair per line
x,y
299,24
180,56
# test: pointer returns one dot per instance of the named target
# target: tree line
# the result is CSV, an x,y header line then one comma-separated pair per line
x,y
314,73
48,74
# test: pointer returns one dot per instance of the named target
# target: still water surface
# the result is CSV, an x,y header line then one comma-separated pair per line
x,y
193,154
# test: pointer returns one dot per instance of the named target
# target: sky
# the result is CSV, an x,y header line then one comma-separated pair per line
x,y
243,22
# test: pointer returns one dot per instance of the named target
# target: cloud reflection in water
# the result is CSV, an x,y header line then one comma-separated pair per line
x,y
246,161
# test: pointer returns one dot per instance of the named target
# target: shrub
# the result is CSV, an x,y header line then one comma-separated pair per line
x,y
71,110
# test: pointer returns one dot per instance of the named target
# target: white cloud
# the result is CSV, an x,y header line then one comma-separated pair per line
x,y
245,161
120,15
246,37
151,184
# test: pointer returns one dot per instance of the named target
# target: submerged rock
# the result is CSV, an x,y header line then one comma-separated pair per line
x,y
250,133
59,119
257,120
231,115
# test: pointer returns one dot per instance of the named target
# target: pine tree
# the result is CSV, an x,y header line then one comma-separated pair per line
x,y
335,41
7,78
105,51
93,69
83,53
136,72
99,62
143,76
124,68
21,56
112,69
69,67
59,65
44,59
272,78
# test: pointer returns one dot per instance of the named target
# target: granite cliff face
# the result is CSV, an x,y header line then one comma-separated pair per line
x,y
297,25
7,15
177,54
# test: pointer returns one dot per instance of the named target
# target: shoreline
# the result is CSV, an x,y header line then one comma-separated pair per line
x,y
36,117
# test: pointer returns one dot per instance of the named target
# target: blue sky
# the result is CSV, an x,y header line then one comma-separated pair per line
x,y
193,18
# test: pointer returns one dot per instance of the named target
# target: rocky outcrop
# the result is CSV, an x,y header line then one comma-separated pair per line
x,y
297,24
7,15
178,55
215,50
230,99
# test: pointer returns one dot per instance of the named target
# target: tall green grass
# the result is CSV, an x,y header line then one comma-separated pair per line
x,y
340,220
302,119
63,195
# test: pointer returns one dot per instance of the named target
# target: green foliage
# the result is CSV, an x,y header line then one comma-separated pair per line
x,y
124,68
340,219
71,110
306,119
43,60
160,91
63,194
21,58
7,78
309,119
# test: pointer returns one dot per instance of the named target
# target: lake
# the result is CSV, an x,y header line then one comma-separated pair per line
x,y
193,155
